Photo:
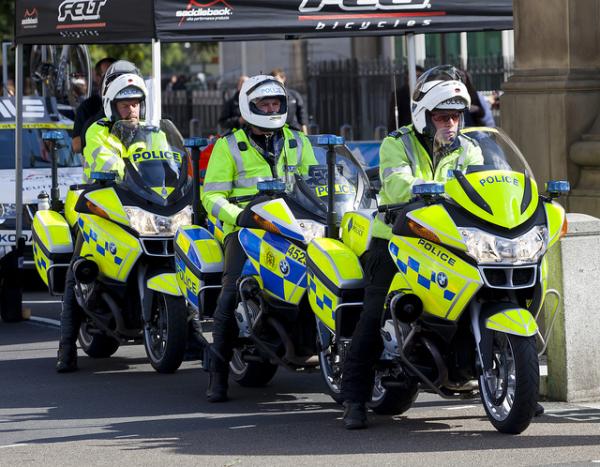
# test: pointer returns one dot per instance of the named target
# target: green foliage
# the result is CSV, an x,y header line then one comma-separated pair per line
x,y
7,19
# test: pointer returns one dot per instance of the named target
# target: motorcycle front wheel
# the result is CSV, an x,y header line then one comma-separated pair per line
x,y
510,389
96,344
250,374
331,371
165,333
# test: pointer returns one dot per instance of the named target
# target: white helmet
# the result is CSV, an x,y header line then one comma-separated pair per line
x,y
440,88
118,68
260,87
126,86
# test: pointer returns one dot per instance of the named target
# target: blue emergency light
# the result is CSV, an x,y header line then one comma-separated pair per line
x,y
52,135
103,176
327,140
558,187
195,142
428,189
270,186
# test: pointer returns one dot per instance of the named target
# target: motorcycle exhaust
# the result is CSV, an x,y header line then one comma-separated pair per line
x,y
406,307
85,271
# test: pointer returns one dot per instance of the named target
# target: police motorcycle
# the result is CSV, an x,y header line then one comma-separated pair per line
x,y
463,310
274,317
117,236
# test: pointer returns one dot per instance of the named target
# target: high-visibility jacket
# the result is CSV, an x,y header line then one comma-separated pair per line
x,y
236,167
104,152
404,162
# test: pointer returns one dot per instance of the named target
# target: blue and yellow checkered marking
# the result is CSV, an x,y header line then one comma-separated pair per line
x,y
415,266
90,236
320,297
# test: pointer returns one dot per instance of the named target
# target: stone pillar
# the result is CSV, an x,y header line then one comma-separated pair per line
x,y
574,350
553,99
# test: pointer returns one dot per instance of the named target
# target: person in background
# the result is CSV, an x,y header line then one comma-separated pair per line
x,y
402,99
231,118
297,116
90,106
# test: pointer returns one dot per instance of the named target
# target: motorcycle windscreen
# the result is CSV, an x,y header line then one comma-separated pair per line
x,y
493,181
156,162
351,186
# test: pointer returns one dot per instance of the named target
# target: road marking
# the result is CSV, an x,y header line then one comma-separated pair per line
x,y
51,322
241,427
18,445
126,436
460,407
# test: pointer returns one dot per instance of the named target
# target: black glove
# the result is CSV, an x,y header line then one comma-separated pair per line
x,y
246,218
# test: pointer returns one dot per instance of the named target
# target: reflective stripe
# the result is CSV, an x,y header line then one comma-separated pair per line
x,y
397,170
234,150
217,206
298,148
249,182
410,151
218,186
110,163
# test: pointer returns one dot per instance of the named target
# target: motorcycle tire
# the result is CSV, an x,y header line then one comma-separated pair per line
x,y
250,374
165,334
97,345
393,401
511,408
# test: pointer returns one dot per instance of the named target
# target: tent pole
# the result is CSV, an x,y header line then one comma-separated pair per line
x,y
156,82
464,50
412,61
19,141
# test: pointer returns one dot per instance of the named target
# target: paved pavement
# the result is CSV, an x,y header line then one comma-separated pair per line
x,y
118,411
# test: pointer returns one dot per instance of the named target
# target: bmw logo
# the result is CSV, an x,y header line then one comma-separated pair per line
x,y
442,280
112,248
284,267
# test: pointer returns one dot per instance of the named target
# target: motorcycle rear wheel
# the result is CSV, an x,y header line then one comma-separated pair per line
x,y
165,334
250,374
511,392
96,345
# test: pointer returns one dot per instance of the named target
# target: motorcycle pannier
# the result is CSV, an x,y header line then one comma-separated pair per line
x,y
52,249
335,281
199,263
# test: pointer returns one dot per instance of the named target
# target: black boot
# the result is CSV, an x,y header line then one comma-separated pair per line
x,y
67,359
217,386
355,415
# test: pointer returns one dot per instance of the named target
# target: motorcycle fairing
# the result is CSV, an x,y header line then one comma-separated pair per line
x,y
278,213
112,248
436,219
280,264
108,200
501,197
555,216
70,202
215,227
444,282
356,229
196,253
165,283
517,321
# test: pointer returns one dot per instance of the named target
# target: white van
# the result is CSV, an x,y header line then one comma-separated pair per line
x,y
40,115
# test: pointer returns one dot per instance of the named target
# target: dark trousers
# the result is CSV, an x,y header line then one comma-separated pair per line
x,y
366,347
71,314
225,330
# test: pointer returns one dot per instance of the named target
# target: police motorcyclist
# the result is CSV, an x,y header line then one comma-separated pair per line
x,y
410,155
123,99
264,149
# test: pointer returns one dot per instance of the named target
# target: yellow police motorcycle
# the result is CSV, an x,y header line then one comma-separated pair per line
x,y
275,321
123,253
472,278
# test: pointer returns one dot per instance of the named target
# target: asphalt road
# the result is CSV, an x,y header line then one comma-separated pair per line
x,y
118,411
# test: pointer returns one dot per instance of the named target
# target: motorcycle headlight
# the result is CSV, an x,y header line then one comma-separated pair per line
x,y
311,229
147,223
488,248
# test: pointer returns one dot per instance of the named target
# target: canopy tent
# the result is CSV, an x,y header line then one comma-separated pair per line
x,y
138,21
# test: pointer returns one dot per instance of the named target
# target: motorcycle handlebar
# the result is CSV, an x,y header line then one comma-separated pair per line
x,y
390,207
